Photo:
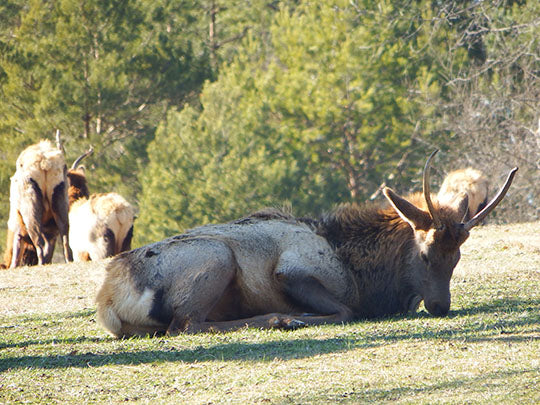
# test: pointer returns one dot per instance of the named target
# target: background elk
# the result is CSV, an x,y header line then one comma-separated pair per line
x,y
469,181
38,206
273,270
101,225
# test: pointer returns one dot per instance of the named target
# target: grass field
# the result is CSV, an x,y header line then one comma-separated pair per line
x,y
486,351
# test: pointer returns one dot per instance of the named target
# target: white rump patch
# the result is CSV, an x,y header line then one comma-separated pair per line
x,y
134,308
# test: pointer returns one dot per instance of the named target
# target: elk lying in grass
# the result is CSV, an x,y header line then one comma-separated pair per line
x,y
38,206
273,270
469,181
101,225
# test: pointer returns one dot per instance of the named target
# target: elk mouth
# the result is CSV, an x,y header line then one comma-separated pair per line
x,y
413,303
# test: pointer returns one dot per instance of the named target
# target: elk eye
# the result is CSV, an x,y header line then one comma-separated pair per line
x,y
424,258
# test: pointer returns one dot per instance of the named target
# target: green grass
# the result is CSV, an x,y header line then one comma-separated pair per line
x,y
486,351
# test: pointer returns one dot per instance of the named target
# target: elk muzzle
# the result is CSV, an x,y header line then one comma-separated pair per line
x,y
438,306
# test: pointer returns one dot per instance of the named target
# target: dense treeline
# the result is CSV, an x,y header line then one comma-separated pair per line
x,y
200,111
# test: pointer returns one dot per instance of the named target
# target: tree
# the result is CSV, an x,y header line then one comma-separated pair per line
x,y
103,73
490,105
314,114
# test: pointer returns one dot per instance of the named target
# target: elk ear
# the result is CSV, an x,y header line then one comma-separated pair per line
x,y
413,215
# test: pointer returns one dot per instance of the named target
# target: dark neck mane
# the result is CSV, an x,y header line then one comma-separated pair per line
x,y
373,242
78,187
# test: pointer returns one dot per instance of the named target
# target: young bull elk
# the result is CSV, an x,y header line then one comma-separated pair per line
x,y
38,206
271,270
469,181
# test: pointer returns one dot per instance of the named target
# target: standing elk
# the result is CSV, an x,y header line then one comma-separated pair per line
x,y
38,206
271,270
101,225
469,181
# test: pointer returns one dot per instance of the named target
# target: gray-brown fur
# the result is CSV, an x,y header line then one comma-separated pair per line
x,y
273,270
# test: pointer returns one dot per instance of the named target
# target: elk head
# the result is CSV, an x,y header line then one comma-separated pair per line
x,y
439,231
78,187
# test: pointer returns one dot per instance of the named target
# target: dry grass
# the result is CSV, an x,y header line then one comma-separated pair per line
x,y
485,351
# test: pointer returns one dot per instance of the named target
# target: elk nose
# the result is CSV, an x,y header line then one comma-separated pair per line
x,y
438,309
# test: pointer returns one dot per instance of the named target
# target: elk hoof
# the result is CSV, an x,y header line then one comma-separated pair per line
x,y
284,322
292,324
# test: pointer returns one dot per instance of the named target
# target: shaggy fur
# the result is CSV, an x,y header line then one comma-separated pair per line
x,y
38,207
78,186
272,270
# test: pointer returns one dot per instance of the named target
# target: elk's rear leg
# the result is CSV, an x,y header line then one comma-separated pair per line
x,y
306,293
31,213
60,209
14,246
309,294
201,288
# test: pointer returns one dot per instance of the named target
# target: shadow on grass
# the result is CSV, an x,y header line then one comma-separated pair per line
x,y
47,317
44,342
498,305
288,349
405,393
219,352
268,351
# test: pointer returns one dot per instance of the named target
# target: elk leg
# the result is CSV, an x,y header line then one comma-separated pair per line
x,y
200,288
267,321
308,293
126,244
49,249
14,244
305,292
8,253
60,210
31,212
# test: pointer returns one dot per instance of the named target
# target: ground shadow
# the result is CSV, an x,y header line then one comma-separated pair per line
x,y
410,393
168,350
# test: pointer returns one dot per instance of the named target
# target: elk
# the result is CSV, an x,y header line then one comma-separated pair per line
x,y
469,181
272,270
101,225
38,206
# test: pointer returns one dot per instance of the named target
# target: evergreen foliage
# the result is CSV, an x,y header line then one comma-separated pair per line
x,y
202,111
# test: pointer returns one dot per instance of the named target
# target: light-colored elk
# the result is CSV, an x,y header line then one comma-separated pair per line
x,y
272,270
469,181
101,225
38,206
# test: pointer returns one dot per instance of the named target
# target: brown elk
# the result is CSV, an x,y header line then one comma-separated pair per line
x,y
101,225
38,206
271,270
469,181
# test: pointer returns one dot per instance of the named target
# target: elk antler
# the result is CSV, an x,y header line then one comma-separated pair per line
x,y
493,203
59,141
427,192
78,160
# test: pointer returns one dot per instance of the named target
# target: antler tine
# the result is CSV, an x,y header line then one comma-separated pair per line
x,y
427,192
85,154
493,203
59,141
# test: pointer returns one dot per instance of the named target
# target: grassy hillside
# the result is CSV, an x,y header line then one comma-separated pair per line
x,y
485,351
